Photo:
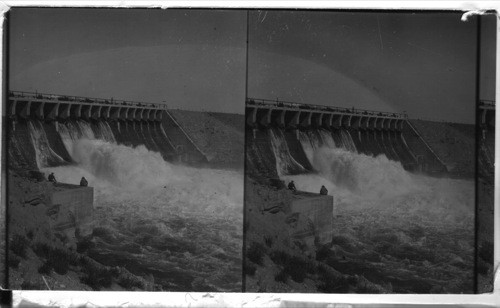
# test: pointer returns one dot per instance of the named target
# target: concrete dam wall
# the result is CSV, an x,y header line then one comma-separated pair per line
x,y
38,125
282,137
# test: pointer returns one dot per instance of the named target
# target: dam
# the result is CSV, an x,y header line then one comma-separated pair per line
x,y
295,128
55,117
399,203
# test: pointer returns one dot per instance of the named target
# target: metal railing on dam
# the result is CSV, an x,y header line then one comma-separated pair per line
x,y
264,113
59,107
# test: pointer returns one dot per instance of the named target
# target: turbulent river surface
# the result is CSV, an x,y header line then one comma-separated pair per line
x,y
408,233
177,225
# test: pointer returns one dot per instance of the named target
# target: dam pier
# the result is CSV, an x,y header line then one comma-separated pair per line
x,y
131,123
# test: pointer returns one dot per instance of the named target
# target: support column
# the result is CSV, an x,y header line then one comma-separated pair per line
x,y
317,119
281,119
13,104
266,119
337,120
25,113
39,111
86,112
65,112
327,120
307,119
294,122
115,113
252,117
54,112
96,112
78,111
346,121
124,113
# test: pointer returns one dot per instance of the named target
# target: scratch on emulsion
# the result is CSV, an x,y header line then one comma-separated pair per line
x,y
380,34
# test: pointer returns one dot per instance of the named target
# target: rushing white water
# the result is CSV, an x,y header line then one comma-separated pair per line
x,y
347,141
392,223
106,132
73,131
284,160
45,155
309,144
180,225
327,138
122,173
405,232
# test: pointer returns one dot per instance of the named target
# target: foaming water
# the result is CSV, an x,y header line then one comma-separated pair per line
x,y
347,141
363,175
309,143
45,155
72,131
327,138
284,160
106,132
413,231
178,225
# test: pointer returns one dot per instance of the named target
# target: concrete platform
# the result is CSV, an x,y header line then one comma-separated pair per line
x,y
319,210
71,209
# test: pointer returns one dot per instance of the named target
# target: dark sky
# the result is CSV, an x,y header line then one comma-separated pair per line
x,y
192,59
424,64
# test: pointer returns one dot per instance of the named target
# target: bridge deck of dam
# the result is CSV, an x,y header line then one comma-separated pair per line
x,y
26,105
40,97
264,113
283,105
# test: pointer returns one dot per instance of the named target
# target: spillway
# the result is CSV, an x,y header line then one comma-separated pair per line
x,y
49,122
291,132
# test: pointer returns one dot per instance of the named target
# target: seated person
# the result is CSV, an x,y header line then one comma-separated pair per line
x,y
323,190
52,178
83,182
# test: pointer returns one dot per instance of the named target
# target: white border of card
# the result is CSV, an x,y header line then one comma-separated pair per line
x,y
184,299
